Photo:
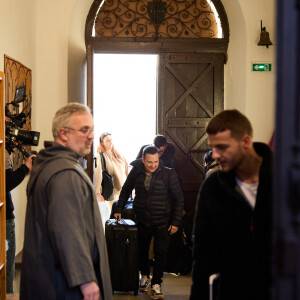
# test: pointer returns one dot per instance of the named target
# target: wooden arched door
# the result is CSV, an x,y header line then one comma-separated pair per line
x,y
190,74
190,93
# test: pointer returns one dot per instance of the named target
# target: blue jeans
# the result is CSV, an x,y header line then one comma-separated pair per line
x,y
10,255
161,238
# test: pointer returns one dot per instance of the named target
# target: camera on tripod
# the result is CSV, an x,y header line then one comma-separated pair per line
x,y
15,136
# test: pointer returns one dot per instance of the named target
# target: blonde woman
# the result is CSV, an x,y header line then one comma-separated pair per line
x,y
116,166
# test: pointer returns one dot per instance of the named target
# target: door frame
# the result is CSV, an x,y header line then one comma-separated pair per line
x,y
137,48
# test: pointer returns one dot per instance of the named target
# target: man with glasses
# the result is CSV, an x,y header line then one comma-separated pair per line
x,y
64,240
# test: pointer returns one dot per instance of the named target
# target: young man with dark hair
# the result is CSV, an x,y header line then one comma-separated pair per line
x,y
158,206
159,141
166,151
233,216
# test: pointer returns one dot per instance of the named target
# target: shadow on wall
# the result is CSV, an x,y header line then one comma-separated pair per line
x,y
77,52
235,68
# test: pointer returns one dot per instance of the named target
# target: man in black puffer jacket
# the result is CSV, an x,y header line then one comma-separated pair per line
x,y
158,206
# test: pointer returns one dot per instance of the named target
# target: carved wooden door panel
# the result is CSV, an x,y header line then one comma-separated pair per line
x,y
190,92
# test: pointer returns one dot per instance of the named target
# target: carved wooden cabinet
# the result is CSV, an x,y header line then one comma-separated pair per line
x,y
2,193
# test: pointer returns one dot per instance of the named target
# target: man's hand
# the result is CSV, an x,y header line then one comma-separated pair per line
x,y
100,198
90,291
172,229
117,216
28,162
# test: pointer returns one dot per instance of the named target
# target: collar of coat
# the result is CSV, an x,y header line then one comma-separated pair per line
x,y
52,154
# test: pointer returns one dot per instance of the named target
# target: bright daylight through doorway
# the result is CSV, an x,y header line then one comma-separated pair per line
x,y
125,100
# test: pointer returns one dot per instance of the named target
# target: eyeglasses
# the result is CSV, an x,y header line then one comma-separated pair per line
x,y
86,131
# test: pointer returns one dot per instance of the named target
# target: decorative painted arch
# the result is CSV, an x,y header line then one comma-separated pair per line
x,y
157,20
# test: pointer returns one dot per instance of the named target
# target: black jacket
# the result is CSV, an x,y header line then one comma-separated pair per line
x,y
168,156
231,238
162,204
13,179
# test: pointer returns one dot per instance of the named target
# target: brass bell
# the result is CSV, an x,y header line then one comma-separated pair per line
x,y
264,37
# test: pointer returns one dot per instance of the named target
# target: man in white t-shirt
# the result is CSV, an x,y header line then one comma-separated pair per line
x,y
233,217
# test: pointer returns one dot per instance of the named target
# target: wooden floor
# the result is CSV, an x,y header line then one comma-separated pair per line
x,y
173,287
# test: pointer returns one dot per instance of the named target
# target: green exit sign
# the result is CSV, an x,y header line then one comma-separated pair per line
x,y
261,67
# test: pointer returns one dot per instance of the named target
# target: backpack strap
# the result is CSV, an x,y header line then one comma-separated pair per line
x,y
103,163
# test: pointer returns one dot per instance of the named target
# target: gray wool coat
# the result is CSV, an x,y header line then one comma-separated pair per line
x,y
64,243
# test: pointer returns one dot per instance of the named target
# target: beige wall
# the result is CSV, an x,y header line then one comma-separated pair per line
x,y
253,93
43,35
48,37
18,40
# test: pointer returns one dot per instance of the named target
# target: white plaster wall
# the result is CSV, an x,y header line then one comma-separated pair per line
x,y
235,68
77,52
47,37
253,93
17,31
18,40
53,21
60,58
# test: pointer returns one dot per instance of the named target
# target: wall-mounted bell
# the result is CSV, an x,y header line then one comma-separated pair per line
x,y
264,37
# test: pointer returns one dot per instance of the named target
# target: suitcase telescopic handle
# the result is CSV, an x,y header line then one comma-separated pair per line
x,y
212,278
118,220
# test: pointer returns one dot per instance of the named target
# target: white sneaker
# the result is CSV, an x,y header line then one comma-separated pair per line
x,y
144,283
156,292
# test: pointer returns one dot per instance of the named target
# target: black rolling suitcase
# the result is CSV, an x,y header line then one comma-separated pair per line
x,y
122,246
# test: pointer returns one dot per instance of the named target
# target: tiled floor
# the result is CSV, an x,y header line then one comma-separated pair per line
x,y
174,288
12,297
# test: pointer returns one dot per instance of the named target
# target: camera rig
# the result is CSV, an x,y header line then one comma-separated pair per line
x,y
15,137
